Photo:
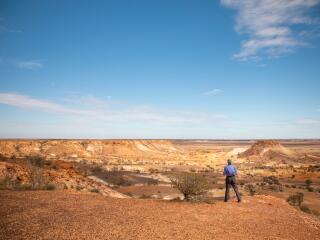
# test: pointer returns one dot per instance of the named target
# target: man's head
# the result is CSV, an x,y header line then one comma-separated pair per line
x,y
229,162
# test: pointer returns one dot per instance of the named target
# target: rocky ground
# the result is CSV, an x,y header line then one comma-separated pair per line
x,y
74,215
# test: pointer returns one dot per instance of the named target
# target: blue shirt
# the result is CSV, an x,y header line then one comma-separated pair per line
x,y
230,170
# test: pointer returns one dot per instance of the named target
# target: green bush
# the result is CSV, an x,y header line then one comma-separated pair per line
x,y
190,184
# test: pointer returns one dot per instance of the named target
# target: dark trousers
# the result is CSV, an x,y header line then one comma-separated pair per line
x,y
231,181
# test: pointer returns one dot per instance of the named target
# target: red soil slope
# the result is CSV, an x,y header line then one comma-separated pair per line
x,y
63,215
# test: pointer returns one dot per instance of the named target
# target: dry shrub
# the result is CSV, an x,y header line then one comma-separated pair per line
x,y
251,189
37,179
296,199
190,184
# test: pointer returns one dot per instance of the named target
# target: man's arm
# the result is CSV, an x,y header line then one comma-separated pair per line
x,y
224,171
235,171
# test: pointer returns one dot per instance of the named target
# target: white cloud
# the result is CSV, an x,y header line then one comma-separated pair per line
x,y
30,65
105,111
213,92
23,101
307,121
268,24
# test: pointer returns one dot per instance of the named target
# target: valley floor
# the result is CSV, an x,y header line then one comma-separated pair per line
x,y
75,215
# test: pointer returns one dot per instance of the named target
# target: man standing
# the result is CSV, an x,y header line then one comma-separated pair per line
x,y
230,172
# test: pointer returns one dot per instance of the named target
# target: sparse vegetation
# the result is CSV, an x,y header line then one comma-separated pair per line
x,y
190,184
95,190
296,199
251,189
271,180
308,182
310,189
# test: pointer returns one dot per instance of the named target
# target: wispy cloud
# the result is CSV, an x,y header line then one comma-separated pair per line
x,y
213,92
30,65
308,121
107,112
268,24
4,29
27,102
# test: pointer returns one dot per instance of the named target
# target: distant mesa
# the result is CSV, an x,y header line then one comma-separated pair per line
x,y
267,149
88,149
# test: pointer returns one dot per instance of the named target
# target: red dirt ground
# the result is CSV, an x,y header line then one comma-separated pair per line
x,y
72,215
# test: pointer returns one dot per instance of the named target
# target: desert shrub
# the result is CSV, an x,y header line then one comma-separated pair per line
x,y
95,190
6,182
36,161
2,157
271,180
143,196
153,170
296,199
36,177
251,189
308,182
310,189
9,183
23,187
190,184
293,186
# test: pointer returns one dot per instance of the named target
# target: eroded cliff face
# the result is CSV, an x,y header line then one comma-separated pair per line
x,y
266,150
88,149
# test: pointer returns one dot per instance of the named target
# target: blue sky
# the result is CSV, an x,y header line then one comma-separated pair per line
x,y
160,69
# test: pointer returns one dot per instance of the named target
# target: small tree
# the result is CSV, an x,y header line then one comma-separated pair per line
x,y
190,184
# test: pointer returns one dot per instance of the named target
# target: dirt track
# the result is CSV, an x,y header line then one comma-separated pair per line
x,y
71,215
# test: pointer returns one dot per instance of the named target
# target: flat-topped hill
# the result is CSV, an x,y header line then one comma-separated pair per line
x,y
267,149
95,149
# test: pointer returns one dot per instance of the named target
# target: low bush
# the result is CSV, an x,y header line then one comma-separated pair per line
x,y
308,182
190,184
271,180
251,189
310,189
95,190
36,161
296,199
50,187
